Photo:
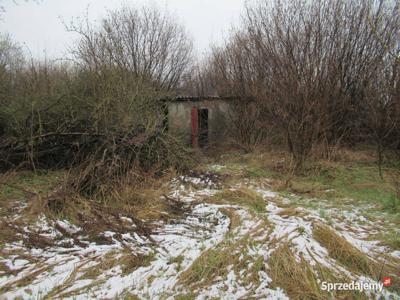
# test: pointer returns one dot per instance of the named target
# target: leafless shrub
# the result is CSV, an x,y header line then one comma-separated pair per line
x,y
198,81
144,42
382,115
234,73
382,101
11,61
306,65
128,158
102,113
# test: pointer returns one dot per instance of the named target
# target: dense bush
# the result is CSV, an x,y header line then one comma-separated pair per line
x,y
102,111
319,72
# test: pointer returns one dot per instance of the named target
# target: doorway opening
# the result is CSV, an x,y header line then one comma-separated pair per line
x,y
203,127
199,127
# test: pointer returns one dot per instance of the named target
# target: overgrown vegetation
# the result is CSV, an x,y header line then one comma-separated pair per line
x,y
351,257
87,141
228,256
101,116
312,76
351,177
243,196
323,78
300,280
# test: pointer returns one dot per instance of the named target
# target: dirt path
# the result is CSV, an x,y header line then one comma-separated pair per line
x,y
218,250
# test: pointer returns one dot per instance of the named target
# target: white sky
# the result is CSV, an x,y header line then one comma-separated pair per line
x,y
39,26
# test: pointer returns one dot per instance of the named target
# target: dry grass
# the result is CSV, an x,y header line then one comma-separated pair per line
x,y
127,260
351,174
18,189
104,264
355,260
241,196
15,231
234,218
129,296
189,296
344,252
219,261
61,293
291,212
67,283
27,279
177,260
299,280
138,198
210,265
356,155
142,202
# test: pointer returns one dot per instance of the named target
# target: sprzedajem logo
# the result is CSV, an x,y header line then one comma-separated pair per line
x,y
387,281
356,285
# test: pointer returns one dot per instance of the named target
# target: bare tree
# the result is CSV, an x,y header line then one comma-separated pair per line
x,y
382,100
199,79
136,57
102,111
235,74
382,117
306,64
145,42
11,62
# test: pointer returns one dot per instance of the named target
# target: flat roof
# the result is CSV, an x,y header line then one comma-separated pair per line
x,y
196,98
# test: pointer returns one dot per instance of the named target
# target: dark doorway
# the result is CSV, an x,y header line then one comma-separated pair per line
x,y
203,127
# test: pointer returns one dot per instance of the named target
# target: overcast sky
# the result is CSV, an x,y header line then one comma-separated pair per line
x,y
40,26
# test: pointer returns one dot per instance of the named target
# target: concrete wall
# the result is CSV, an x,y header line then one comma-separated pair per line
x,y
179,118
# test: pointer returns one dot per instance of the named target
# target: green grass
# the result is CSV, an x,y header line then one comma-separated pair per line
x,y
185,297
391,203
389,238
249,165
178,260
359,182
129,296
23,183
256,172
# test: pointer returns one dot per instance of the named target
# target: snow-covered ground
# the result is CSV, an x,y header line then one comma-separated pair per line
x,y
63,271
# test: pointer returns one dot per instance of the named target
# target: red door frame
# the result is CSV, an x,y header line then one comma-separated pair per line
x,y
195,127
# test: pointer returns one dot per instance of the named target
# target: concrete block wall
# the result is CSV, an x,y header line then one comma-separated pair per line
x,y
179,118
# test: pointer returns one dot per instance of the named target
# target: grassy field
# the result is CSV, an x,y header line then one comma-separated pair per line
x,y
354,176
237,226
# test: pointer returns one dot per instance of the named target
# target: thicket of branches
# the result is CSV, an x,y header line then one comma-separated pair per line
x,y
321,73
102,111
312,75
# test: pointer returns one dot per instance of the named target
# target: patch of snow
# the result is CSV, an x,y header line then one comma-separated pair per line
x,y
202,228
68,227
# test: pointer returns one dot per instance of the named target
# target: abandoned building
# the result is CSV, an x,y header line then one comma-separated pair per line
x,y
199,120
